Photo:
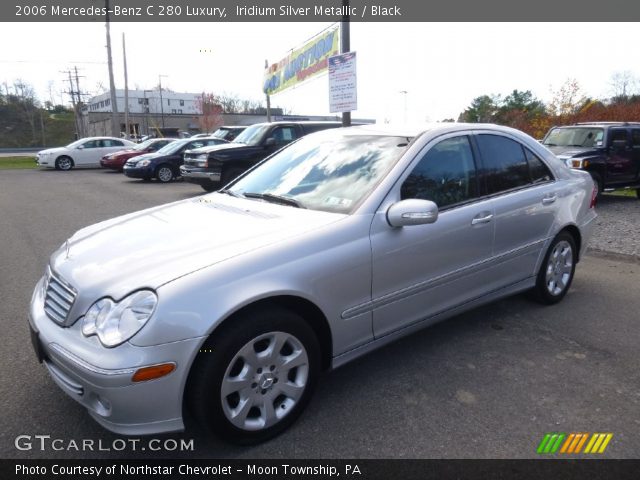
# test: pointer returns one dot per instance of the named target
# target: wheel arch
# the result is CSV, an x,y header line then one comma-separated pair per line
x,y
577,237
312,314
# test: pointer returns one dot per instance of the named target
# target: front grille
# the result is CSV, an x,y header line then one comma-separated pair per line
x,y
58,299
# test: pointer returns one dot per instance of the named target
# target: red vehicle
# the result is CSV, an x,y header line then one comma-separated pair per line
x,y
117,159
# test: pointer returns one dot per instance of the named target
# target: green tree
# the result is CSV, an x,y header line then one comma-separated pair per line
x,y
482,110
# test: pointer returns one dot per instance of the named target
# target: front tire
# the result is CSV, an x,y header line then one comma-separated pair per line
x,y
209,187
253,378
165,174
557,270
64,163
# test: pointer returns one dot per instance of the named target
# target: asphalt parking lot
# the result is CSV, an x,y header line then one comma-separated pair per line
x,y
486,384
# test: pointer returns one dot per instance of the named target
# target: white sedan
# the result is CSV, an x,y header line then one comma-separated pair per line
x,y
85,152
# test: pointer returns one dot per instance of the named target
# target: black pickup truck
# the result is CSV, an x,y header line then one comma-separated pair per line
x,y
215,166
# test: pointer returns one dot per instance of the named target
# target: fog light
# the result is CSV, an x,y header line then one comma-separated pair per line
x,y
153,372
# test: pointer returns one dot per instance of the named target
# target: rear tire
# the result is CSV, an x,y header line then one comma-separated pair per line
x,y
598,181
164,173
253,378
557,270
64,163
209,187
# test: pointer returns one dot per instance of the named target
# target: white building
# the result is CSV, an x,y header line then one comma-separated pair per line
x,y
149,101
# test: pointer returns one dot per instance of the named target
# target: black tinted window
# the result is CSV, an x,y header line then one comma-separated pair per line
x,y
635,138
446,174
618,135
504,163
538,170
284,135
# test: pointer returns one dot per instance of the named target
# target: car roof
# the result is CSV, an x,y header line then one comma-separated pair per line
x,y
414,130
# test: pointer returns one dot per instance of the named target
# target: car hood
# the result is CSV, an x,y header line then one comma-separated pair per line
x,y
144,156
571,151
221,147
150,248
52,150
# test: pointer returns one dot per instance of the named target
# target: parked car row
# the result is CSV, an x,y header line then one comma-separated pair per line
x,y
211,160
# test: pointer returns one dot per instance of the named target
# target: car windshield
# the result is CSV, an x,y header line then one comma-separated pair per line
x,y
172,147
574,137
252,135
221,133
330,171
144,145
77,143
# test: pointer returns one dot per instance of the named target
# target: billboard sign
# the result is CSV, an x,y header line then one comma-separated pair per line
x,y
302,63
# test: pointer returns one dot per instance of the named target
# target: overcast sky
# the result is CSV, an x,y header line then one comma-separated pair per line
x,y
442,66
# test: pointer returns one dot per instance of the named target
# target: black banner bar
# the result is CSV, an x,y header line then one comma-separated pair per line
x,y
320,11
578,469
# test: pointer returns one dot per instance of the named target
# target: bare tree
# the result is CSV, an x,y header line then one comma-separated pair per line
x,y
623,85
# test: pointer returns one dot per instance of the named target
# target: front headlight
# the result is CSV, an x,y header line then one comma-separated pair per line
x,y
143,163
116,322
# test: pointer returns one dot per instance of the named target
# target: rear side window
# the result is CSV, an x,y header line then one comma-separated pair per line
x,y
617,135
311,128
539,172
504,164
635,138
445,175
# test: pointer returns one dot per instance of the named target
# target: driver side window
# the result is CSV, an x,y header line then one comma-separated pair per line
x,y
446,174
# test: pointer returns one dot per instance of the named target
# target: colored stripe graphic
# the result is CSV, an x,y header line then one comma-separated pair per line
x,y
572,443
598,443
551,442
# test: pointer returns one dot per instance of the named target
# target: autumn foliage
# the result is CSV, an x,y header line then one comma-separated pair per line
x,y
569,105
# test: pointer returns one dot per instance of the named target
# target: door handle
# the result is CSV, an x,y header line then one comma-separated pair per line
x,y
548,200
484,219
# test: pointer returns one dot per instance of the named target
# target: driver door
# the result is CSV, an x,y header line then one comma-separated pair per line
x,y
422,270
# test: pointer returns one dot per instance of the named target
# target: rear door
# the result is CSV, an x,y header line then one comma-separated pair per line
x,y
621,167
525,199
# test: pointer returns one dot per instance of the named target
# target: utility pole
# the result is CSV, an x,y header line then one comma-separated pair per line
x,y
79,106
345,46
115,127
126,90
266,65
73,103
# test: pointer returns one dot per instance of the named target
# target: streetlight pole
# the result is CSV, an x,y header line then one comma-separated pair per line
x,y
404,92
145,110
161,103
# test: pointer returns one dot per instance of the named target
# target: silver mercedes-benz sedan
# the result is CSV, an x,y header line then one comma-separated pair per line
x,y
232,303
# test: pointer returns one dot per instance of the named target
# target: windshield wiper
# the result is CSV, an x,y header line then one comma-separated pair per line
x,y
270,197
231,192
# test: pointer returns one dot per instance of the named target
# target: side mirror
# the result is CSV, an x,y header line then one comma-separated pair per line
x,y
270,142
412,212
80,147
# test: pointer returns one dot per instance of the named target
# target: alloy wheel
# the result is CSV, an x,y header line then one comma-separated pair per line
x,y
264,381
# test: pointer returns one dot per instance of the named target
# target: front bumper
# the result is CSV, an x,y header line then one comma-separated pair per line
x,y
112,164
99,378
200,176
138,172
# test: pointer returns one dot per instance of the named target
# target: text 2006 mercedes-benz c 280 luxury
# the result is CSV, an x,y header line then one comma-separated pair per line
x,y
230,304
